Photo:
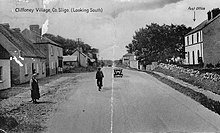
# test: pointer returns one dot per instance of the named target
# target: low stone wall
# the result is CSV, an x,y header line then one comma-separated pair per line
x,y
196,73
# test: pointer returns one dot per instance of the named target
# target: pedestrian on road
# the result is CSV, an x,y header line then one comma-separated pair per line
x,y
35,93
99,77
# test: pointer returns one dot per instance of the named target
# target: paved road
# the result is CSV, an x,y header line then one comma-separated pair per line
x,y
135,103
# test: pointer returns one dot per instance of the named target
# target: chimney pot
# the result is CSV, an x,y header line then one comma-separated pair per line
x,y
35,28
215,12
209,15
17,30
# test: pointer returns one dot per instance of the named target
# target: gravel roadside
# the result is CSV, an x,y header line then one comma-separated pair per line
x,y
24,116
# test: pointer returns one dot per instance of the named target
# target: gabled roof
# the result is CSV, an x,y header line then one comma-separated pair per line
x,y
202,25
17,39
4,54
43,40
70,58
81,53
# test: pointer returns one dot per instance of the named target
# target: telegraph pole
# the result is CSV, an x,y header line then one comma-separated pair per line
x,y
78,39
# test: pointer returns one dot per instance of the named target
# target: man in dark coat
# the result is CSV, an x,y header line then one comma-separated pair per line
x,y
35,93
99,77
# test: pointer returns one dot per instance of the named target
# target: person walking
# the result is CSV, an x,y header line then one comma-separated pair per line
x,y
35,93
99,77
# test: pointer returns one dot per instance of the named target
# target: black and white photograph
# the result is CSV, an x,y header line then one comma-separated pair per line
x,y
109,66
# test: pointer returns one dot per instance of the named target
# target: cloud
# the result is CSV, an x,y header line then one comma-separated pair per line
x,y
131,5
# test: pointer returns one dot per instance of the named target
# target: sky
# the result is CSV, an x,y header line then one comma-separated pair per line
x,y
110,30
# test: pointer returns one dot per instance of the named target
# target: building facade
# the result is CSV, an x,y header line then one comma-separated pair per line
x,y
202,44
5,76
52,50
129,60
24,58
82,58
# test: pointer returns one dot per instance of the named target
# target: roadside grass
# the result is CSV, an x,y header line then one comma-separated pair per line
x,y
196,81
199,97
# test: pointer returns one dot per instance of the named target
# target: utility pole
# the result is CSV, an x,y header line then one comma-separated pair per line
x,y
78,39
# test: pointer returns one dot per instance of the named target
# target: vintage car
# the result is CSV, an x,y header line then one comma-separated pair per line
x,y
118,72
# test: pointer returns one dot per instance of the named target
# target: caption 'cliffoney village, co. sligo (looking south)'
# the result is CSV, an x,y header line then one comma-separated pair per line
x,y
59,10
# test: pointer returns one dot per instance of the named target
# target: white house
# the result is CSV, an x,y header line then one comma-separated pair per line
x,y
70,60
129,60
202,44
81,57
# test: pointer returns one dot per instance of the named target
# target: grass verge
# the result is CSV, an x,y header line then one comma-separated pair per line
x,y
196,81
199,97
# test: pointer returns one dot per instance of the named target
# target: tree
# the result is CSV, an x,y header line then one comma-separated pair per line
x,y
69,45
158,43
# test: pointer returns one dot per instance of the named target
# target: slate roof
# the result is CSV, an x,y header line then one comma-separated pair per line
x,y
81,53
17,39
44,40
203,25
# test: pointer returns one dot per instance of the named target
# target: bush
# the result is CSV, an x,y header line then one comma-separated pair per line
x,y
217,65
209,65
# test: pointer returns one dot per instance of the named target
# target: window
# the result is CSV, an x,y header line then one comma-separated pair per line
x,y
1,73
37,68
197,37
201,39
193,57
58,51
51,51
187,40
52,65
33,68
188,58
192,39
25,69
43,67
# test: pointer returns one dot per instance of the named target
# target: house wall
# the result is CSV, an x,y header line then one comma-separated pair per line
x,y
15,72
134,64
32,63
189,53
194,44
125,61
53,53
83,59
53,59
22,74
211,34
6,76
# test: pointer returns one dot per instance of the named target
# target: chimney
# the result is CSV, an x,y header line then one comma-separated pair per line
x,y
35,29
209,15
215,12
18,30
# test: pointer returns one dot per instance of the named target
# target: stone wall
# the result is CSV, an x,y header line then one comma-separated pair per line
x,y
191,72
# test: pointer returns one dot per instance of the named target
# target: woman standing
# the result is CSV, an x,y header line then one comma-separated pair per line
x,y
35,94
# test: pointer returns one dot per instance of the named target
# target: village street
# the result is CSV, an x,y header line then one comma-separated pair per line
x,y
137,102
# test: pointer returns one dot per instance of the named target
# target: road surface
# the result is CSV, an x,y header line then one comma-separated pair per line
x,y
136,103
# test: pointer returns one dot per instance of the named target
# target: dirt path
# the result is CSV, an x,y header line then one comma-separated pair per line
x,y
32,117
